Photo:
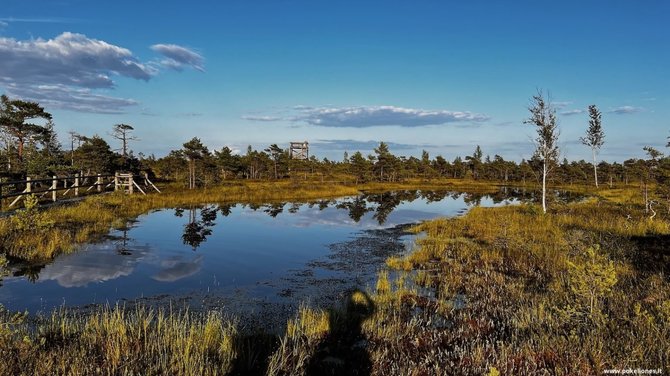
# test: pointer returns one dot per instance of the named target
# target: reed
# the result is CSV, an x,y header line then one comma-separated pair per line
x,y
117,341
577,291
502,290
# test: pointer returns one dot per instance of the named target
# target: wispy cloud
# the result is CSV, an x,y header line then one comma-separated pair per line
x,y
71,98
573,112
373,116
356,145
178,57
3,25
360,117
8,20
624,110
506,123
262,118
190,114
561,104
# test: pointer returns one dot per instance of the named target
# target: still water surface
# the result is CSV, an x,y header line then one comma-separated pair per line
x,y
273,252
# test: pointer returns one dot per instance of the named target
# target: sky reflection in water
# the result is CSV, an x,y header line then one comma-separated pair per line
x,y
219,249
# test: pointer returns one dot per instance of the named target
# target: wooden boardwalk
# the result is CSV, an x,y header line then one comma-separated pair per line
x,y
61,187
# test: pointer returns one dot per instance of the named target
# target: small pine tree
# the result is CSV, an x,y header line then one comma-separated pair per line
x,y
591,278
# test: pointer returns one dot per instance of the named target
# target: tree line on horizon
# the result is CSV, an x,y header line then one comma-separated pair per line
x,y
32,149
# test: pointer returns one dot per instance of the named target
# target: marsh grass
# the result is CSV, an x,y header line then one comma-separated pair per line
x,y
502,290
518,292
119,342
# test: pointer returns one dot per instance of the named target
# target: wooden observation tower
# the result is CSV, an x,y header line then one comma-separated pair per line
x,y
299,150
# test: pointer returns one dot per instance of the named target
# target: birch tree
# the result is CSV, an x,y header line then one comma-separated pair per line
x,y
543,117
595,137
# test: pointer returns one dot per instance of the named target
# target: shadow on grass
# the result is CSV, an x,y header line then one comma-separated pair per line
x,y
653,255
254,352
344,350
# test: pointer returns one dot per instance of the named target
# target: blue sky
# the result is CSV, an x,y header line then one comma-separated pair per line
x,y
436,75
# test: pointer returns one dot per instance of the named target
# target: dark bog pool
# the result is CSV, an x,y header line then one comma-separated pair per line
x,y
228,254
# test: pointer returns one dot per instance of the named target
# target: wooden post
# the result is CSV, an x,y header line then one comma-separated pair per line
x,y
28,185
116,181
65,187
76,185
54,185
98,183
152,184
139,188
130,184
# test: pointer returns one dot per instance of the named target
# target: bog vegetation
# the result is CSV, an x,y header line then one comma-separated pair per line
x,y
581,289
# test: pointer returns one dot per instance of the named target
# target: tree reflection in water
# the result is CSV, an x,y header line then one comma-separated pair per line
x,y
356,207
197,230
201,219
274,210
380,204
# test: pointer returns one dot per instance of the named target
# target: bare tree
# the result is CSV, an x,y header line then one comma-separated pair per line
x,y
595,137
74,136
122,132
543,117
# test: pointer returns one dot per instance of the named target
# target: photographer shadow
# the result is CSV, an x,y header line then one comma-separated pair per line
x,y
344,351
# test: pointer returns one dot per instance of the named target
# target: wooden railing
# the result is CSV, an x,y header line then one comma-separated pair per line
x,y
59,187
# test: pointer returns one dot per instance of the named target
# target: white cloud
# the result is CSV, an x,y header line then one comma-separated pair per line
x,y
190,114
68,71
356,145
371,116
6,20
64,72
359,117
261,118
623,110
573,112
561,105
69,59
178,57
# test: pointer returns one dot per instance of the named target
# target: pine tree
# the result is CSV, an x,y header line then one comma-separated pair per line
x,y
121,132
14,120
194,150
